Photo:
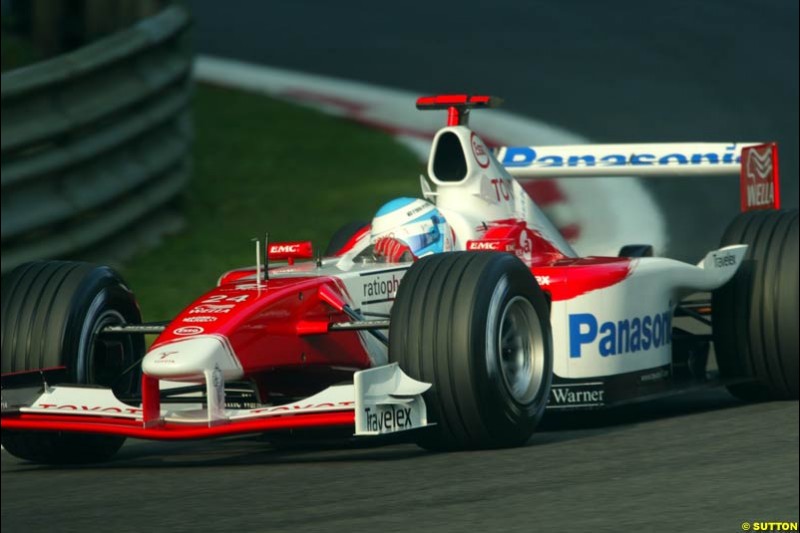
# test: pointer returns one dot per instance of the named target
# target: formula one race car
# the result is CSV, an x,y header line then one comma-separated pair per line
x,y
455,320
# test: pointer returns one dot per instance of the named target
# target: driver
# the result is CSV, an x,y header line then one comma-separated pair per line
x,y
406,229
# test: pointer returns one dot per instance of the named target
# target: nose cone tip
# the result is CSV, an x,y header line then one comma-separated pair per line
x,y
190,359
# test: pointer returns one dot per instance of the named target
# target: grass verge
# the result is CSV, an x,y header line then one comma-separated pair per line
x,y
262,165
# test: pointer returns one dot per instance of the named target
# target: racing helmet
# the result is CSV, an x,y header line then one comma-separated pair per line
x,y
416,223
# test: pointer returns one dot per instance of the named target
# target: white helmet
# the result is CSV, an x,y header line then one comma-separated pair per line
x,y
417,223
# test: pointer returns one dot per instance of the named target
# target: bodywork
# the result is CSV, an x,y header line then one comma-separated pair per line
x,y
289,333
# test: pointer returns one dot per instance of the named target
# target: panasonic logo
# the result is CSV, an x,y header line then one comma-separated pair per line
x,y
524,156
620,337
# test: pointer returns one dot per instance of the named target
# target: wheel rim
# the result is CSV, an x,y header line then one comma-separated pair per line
x,y
109,355
521,350
101,357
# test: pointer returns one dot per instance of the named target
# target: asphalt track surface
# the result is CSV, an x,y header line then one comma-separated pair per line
x,y
611,71
703,462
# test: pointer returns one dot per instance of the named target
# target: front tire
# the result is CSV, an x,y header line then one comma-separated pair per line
x,y
476,326
755,314
52,313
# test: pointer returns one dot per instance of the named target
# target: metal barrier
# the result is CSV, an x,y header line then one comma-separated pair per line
x,y
95,139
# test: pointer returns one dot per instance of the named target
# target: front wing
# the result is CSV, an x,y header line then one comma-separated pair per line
x,y
380,401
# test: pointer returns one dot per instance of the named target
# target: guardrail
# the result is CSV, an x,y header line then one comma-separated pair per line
x,y
95,139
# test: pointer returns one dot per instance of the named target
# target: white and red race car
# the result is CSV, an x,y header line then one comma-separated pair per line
x,y
458,334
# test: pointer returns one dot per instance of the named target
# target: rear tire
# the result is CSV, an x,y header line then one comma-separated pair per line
x,y
476,326
52,312
755,314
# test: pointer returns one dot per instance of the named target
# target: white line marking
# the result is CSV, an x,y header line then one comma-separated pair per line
x,y
610,212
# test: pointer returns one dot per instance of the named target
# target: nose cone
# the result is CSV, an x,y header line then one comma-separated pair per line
x,y
189,359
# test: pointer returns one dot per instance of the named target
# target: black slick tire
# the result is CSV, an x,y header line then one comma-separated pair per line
x,y
755,314
52,312
448,325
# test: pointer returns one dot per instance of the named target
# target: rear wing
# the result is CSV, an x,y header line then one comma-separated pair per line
x,y
756,164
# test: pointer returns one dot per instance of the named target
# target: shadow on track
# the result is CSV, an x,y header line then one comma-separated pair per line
x,y
556,428
712,399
